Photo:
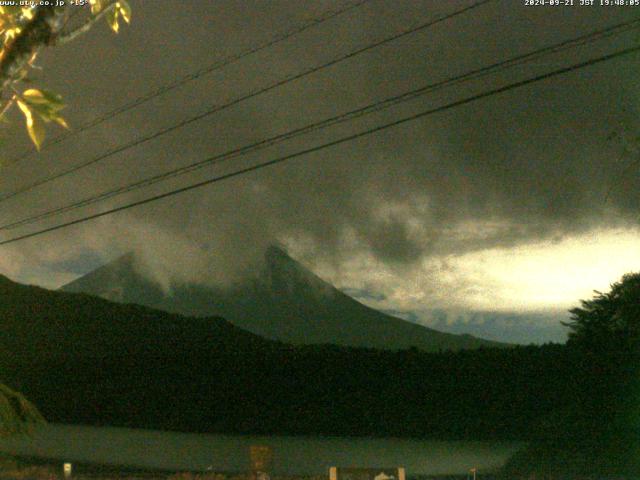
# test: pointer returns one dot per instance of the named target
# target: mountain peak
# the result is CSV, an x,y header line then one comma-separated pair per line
x,y
277,252
287,302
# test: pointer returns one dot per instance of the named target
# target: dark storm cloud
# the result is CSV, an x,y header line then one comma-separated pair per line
x,y
534,163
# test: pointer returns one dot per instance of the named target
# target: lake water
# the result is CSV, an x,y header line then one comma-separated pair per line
x,y
291,455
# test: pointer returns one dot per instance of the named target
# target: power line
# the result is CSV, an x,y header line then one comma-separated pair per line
x,y
236,101
371,108
332,143
218,65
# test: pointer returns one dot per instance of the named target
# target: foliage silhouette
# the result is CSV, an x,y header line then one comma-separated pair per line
x,y
610,321
25,28
598,430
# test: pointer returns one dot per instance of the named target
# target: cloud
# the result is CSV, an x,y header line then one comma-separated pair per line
x,y
521,328
405,207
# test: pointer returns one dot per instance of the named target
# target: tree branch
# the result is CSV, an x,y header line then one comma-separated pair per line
x,y
66,37
7,106
40,31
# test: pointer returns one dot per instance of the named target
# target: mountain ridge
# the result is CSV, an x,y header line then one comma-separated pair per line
x,y
285,302
41,323
86,360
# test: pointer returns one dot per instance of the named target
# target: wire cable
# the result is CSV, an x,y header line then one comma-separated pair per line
x,y
218,65
234,102
332,143
353,114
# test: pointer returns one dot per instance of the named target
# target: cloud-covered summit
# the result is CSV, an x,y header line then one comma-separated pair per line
x,y
425,206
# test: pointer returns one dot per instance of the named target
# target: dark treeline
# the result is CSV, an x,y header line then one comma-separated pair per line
x,y
82,359
499,394
85,360
596,433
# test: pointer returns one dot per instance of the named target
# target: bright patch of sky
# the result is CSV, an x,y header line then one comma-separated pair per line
x,y
549,274
518,294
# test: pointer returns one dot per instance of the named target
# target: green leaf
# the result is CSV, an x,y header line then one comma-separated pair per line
x,y
46,104
10,10
35,128
112,19
36,132
43,110
46,114
125,10
25,109
96,6
61,121
54,99
34,97
11,33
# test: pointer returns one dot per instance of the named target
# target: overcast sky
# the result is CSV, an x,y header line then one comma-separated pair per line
x,y
493,218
